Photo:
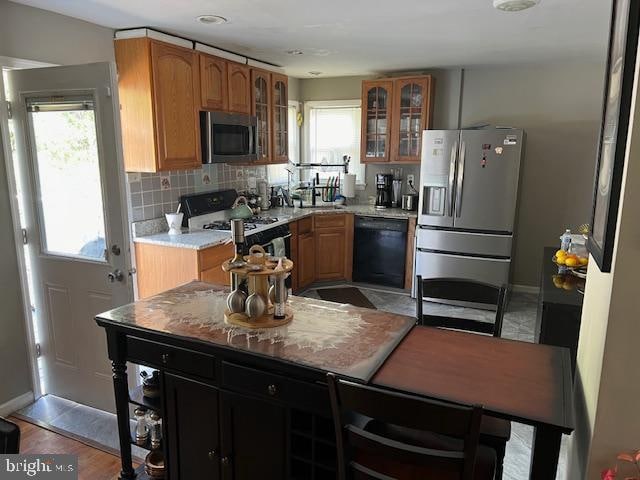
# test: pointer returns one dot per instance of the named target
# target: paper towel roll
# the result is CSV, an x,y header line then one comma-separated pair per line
x,y
349,185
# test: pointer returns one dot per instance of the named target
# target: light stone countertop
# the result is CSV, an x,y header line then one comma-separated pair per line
x,y
201,239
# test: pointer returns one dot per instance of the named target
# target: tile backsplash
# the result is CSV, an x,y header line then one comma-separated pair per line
x,y
151,195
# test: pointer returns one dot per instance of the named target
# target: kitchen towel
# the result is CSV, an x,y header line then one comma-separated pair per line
x,y
349,186
279,249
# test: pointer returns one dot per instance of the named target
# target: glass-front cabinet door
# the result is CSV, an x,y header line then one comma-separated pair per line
x,y
412,97
377,103
261,100
280,119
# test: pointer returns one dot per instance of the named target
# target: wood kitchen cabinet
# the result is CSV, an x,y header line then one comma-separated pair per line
x,y
214,91
160,267
159,89
395,111
261,109
293,229
269,99
280,135
334,246
252,431
191,423
239,81
306,260
377,102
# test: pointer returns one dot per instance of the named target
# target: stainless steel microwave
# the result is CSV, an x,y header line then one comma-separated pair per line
x,y
228,137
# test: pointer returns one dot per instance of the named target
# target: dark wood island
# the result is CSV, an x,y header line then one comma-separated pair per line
x,y
248,404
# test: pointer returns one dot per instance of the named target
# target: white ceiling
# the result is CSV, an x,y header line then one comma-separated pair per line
x,y
356,37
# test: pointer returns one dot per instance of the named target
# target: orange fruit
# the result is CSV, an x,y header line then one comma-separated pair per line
x,y
572,262
583,260
561,260
561,253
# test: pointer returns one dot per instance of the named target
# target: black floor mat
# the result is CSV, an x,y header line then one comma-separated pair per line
x,y
349,295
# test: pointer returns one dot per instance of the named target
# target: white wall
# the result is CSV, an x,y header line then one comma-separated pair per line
x,y
558,105
32,34
607,386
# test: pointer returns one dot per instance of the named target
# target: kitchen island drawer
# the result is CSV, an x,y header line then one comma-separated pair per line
x,y
303,395
159,355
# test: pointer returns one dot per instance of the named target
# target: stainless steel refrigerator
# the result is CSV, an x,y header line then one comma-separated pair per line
x,y
468,200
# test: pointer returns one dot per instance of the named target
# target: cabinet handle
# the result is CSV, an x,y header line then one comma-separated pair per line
x,y
272,389
165,358
225,461
212,455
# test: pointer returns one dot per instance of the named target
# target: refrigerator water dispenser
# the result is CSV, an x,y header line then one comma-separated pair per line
x,y
435,200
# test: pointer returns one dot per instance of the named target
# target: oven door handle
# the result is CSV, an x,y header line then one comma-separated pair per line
x,y
271,242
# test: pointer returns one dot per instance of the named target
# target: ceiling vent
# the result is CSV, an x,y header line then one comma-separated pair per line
x,y
514,5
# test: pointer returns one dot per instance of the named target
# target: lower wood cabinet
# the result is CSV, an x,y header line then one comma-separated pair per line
x,y
306,267
191,423
160,267
253,434
334,246
213,433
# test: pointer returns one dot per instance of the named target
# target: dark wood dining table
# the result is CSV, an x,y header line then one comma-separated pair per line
x,y
524,382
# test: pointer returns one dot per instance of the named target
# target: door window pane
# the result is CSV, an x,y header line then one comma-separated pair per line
x,y
68,179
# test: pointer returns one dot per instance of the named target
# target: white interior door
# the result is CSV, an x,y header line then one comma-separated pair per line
x,y
70,178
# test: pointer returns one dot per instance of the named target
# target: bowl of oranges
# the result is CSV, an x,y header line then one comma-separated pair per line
x,y
574,262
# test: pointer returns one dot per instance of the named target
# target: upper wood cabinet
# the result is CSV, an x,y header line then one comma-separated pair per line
x,y
279,88
411,115
159,86
394,114
239,81
261,106
377,101
214,92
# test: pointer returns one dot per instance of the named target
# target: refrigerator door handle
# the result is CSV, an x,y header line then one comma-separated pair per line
x,y
463,148
462,255
452,174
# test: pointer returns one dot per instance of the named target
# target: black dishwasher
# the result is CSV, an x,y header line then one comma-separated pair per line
x,y
379,249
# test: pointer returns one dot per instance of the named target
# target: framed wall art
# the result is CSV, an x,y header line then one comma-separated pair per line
x,y
618,90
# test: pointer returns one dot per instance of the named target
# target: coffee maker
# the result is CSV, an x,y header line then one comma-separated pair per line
x,y
383,190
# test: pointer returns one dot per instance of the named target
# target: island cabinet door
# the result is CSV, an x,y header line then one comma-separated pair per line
x,y
253,438
191,422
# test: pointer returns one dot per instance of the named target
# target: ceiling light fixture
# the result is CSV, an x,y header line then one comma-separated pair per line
x,y
211,19
295,51
514,5
315,74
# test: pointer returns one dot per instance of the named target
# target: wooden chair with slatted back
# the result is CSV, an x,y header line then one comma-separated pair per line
x,y
494,432
459,290
385,435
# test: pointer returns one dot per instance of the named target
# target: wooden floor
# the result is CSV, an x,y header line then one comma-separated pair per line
x,y
93,464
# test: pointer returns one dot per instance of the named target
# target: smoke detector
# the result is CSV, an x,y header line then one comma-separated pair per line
x,y
514,5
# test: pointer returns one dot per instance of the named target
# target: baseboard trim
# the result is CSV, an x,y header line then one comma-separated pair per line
x,y
17,403
525,289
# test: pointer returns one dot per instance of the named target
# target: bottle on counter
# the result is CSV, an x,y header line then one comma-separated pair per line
x,y
565,240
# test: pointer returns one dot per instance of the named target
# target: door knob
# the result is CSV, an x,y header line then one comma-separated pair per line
x,y
225,461
115,276
272,390
212,455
